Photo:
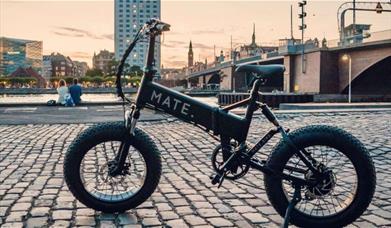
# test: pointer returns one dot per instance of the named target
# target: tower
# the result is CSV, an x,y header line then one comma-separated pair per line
x,y
190,55
253,37
129,16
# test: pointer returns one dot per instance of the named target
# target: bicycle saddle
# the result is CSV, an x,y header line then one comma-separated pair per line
x,y
262,70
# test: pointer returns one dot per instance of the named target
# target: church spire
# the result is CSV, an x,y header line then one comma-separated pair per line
x,y
190,57
253,37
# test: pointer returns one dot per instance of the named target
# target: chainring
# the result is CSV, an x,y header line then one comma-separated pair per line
x,y
218,161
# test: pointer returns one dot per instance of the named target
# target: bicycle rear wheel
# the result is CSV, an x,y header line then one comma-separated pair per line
x,y
342,197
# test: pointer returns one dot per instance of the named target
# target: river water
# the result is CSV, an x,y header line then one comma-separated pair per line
x,y
106,97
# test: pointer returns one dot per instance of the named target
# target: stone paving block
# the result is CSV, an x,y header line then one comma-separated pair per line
x,y
39,211
176,223
219,222
184,210
168,215
37,222
85,221
62,214
16,216
207,213
12,225
151,222
193,220
255,217
107,224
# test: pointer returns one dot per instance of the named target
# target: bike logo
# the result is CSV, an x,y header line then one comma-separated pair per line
x,y
170,103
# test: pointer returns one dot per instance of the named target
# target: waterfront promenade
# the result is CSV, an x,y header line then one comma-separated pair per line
x,y
33,192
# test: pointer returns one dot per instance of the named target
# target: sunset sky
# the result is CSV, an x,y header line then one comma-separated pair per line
x,y
78,28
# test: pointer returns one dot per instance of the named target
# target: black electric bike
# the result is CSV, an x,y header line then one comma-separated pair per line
x,y
316,176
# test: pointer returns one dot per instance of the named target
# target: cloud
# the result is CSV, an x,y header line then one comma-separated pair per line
x,y
75,32
203,46
175,44
174,63
183,44
208,31
80,55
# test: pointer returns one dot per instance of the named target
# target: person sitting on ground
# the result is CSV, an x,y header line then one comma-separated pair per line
x,y
75,91
62,91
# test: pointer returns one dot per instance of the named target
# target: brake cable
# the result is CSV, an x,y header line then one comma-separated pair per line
x,y
120,68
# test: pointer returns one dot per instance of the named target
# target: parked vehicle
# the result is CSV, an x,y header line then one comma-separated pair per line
x,y
316,176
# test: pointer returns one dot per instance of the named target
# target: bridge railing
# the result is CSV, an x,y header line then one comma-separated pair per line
x,y
373,37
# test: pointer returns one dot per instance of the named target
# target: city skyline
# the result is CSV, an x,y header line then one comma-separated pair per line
x,y
78,33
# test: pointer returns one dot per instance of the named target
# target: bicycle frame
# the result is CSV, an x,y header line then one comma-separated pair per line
x,y
188,109
219,120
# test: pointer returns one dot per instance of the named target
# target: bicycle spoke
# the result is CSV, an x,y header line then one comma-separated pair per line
x,y
95,173
323,202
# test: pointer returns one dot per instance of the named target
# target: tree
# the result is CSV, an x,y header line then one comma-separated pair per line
x,y
136,70
112,67
94,73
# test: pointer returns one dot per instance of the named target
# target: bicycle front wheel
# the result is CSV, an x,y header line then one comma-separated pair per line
x,y
346,192
92,154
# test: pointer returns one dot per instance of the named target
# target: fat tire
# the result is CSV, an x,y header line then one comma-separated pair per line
x,y
346,144
115,131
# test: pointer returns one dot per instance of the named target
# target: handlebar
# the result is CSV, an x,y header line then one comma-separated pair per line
x,y
153,27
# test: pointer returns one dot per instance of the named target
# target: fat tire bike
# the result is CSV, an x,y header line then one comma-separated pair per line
x,y
316,176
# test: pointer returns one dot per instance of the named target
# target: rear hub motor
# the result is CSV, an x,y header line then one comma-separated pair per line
x,y
324,184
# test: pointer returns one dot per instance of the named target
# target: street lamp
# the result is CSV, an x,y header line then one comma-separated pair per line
x,y
302,27
347,57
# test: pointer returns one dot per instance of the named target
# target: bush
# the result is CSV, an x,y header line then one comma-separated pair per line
x,y
20,80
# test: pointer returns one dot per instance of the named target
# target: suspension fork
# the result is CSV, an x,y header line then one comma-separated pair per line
x,y
131,118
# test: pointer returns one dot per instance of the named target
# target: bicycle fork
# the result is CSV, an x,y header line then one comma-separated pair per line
x,y
131,118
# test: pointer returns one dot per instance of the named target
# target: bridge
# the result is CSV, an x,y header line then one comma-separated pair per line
x,y
325,69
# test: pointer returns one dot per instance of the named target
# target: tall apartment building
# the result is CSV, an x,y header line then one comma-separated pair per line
x,y
15,53
130,15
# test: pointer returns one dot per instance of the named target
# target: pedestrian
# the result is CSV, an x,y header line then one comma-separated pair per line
x,y
76,91
62,91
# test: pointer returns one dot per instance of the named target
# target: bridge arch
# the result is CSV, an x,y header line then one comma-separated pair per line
x,y
214,79
375,79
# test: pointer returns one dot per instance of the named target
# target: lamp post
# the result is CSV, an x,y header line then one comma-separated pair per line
x,y
347,57
302,27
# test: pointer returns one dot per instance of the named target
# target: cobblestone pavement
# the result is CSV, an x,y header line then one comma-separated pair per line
x,y
33,192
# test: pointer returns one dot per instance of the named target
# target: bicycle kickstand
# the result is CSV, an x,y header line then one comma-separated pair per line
x,y
295,199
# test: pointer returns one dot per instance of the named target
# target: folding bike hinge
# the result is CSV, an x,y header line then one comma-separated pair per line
x,y
295,199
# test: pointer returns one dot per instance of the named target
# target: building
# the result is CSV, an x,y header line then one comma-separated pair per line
x,y
47,67
254,49
58,65
173,73
101,61
15,53
130,15
81,68
61,66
